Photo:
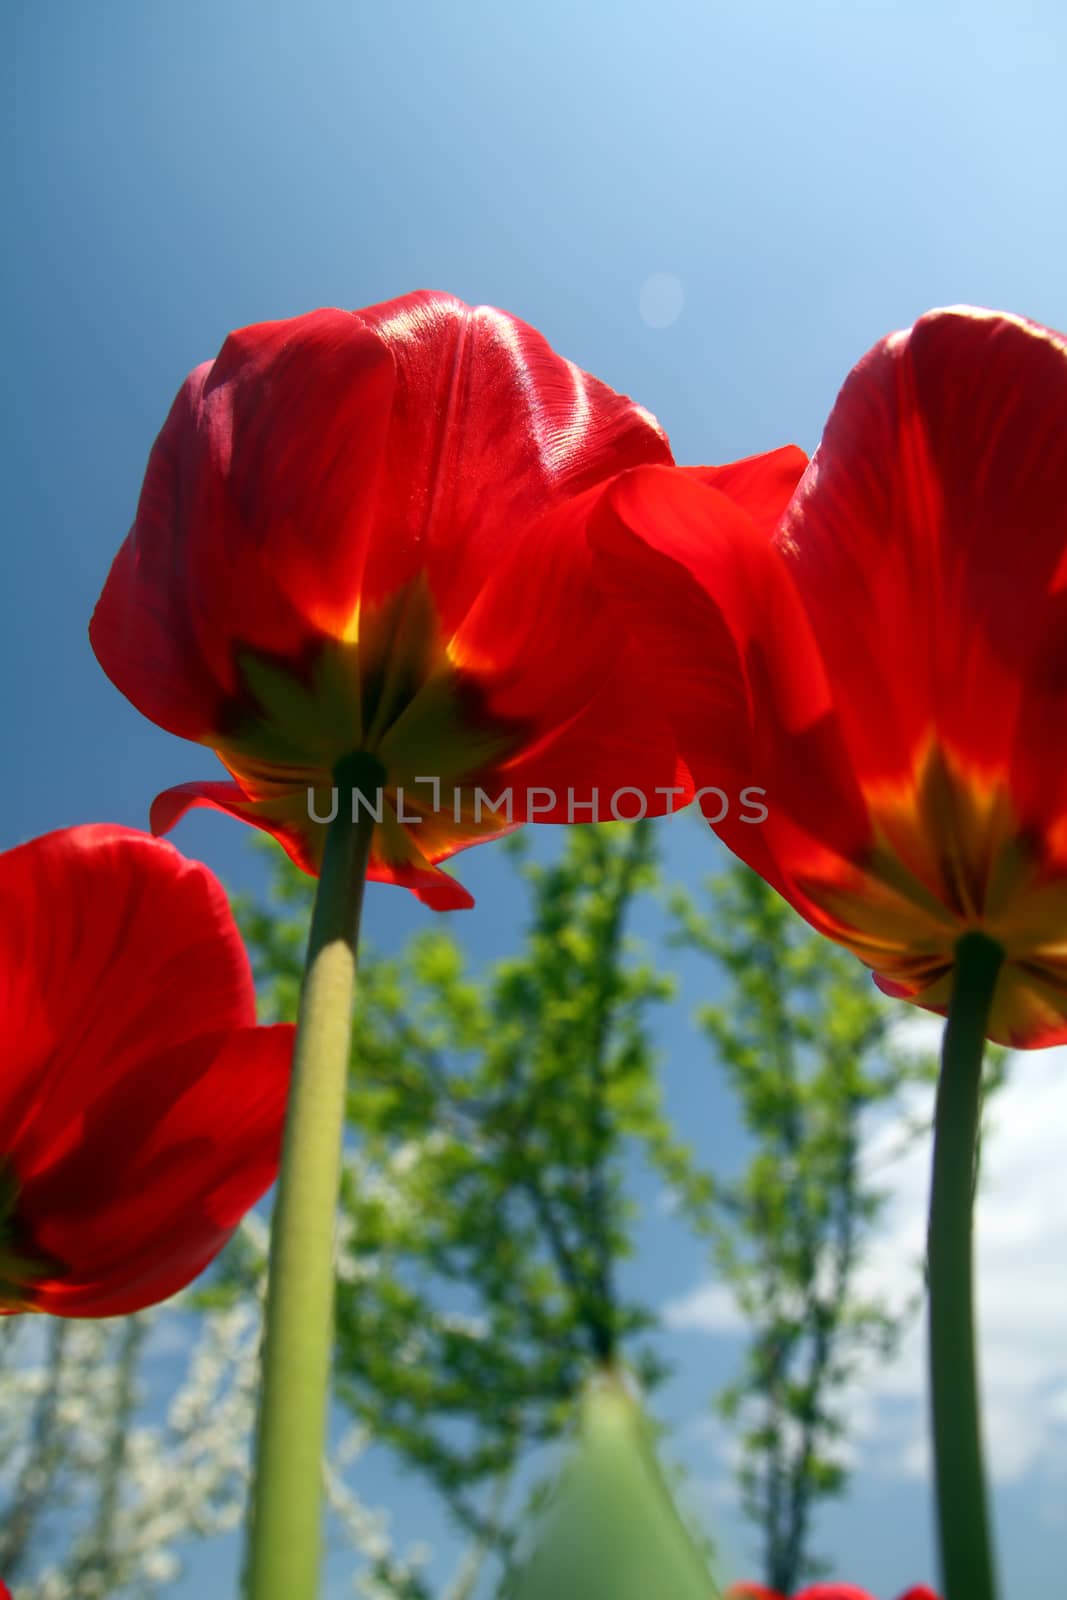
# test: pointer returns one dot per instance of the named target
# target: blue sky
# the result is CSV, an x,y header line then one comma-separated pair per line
x,y
810,176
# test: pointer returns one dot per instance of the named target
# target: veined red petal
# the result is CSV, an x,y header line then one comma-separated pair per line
x,y
929,543
491,429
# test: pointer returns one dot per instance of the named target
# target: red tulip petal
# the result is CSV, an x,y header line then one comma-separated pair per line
x,y
77,907
535,640
142,1109
929,542
616,761
252,525
395,855
406,854
761,485
727,647
491,429
322,463
832,1591
166,1164
548,657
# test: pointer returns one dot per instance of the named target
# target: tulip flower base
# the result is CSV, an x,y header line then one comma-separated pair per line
x,y
612,1531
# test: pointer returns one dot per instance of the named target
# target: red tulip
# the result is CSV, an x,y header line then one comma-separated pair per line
x,y
832,1591
819,1591
365,531
887,660
141,1109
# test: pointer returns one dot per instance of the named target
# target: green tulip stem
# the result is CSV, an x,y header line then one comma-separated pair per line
x,y
963,1515
285,1536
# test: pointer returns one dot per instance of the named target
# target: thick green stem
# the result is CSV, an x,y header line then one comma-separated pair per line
x,y
285,1541
963,1516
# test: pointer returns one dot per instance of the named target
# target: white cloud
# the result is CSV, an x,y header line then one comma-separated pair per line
x,y
1021,1265
711,1308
